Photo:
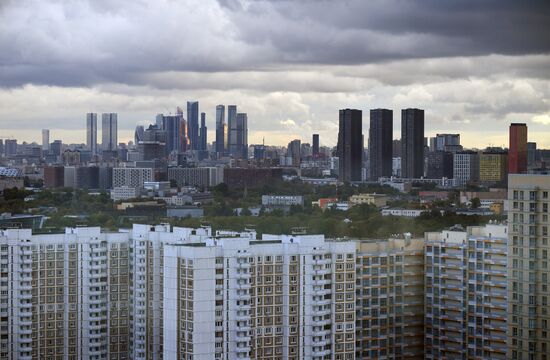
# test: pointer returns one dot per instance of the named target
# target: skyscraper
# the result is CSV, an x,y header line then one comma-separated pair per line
x,y
232,129
350,145
203,133
380,143
242,136
528,271
517,154
45,139
221,130
193,124
293,151
315,151
412,143
91,132
138,133
109,131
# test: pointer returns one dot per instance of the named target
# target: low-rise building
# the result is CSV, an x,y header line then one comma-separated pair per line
x,y
378,200
403,212
282,201
124,193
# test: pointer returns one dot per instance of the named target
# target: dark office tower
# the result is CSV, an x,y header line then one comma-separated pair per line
x,y
315,151
221,130
171,124
412,143
138,134
1,148
531,153
153,143
91,132
380,143
109,131
193,124
242,136
350,145
232,129
203,135
396,148
517,153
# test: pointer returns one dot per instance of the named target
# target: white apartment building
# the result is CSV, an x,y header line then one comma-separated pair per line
x,y
282,297
131,177
124,193
64,295
528,272
466,293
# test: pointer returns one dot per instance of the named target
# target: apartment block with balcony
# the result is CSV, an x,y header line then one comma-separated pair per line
x,y
390,299
466,293
290,297
528,273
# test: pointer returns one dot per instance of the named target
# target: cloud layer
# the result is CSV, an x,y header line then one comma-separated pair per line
x,y
290,64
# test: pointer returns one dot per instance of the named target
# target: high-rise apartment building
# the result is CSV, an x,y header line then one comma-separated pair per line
x,y
390,299
45,139
528,269
193,124
67,295
465,167
380,143
91,133
493,167
350,145
233,296
465,293
517,153
221,130
315,147
109,131
412,143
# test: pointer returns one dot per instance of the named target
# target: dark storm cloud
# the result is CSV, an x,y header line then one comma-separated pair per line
x,y
84,43
365,31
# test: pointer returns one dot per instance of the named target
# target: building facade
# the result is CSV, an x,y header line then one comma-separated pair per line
x,y
412,143
528,270
466,293
517,153
350,145
91,133
236,297
465,168
109,131
390,299
380,143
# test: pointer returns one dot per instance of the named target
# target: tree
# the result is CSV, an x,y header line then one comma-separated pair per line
x,y
475,203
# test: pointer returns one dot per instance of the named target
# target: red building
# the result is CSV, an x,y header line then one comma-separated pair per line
x,y
517,153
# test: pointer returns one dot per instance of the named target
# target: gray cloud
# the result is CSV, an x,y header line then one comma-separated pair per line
x,y
72,43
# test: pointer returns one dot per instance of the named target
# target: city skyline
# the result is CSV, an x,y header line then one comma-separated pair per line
x,y
442,59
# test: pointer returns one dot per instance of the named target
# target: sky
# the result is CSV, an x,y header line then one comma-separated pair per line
x,y
473,66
